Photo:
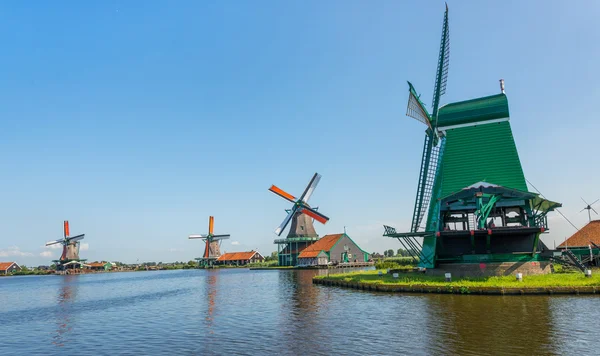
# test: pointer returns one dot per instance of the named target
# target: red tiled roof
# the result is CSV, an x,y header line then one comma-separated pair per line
x,y
5,265
582,238
325,243
236,256
97,264
309,254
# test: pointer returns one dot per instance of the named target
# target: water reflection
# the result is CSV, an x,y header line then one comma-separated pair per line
x,y
211,291
299,318
475,325
67,295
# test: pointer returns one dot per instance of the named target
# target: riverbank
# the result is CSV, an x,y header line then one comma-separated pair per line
x,y
559,283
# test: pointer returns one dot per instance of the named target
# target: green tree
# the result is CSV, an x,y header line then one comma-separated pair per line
x,y
402,252
390,253
272,257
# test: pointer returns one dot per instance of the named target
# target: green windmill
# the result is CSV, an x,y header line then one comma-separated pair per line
x,y
472,203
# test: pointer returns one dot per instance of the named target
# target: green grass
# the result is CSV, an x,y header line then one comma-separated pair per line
x,y
412,279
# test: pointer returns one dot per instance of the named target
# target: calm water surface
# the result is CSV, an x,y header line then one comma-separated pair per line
x,y
238,311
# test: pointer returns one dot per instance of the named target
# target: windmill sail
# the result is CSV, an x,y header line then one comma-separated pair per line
x,y
300,207
416,108
442,67
431,149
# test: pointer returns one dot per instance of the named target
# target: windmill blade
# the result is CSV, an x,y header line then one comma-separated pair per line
x,y
66,228
211,224
55,242
220,237
594,202
315,215
416,109
594,210
285,222
285,195
310,188
206,249
198,236
75,238
586,203
442,67
584,209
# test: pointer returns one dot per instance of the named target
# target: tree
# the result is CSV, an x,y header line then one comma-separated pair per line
x,y
402,252
390,253
273,257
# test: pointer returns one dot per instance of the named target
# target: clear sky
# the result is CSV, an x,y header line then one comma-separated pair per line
x,y
136,120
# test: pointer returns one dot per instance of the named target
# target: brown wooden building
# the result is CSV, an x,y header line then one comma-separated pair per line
x,y
334,249
240,258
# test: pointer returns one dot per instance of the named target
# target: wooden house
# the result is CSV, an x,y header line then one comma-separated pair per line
x,y
240,258
332,249
9,268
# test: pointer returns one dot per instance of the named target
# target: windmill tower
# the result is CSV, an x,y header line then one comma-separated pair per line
x,y
212,245
589,208
302,231
471,181
70,252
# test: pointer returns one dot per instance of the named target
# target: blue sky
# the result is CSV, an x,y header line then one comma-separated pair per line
x,y
137,120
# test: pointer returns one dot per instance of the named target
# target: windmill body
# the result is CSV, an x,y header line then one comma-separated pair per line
x,y
212,245
472,203
69,258
302,232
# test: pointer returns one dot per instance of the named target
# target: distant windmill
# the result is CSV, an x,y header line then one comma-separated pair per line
x,y
70,246
212,249
589,207
300,205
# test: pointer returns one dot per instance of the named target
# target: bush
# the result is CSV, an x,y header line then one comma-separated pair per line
x,y
386,265
403,261
274,263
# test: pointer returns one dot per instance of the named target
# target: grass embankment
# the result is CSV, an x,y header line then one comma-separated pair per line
x,y
536,281
417,282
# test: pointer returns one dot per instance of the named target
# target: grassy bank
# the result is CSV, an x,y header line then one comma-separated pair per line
x,y
418,279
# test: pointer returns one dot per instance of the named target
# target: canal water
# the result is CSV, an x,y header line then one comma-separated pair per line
x,y
243,312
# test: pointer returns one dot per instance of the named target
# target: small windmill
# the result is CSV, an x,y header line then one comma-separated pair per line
x,y
70,244
589,207
300,207
212,249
